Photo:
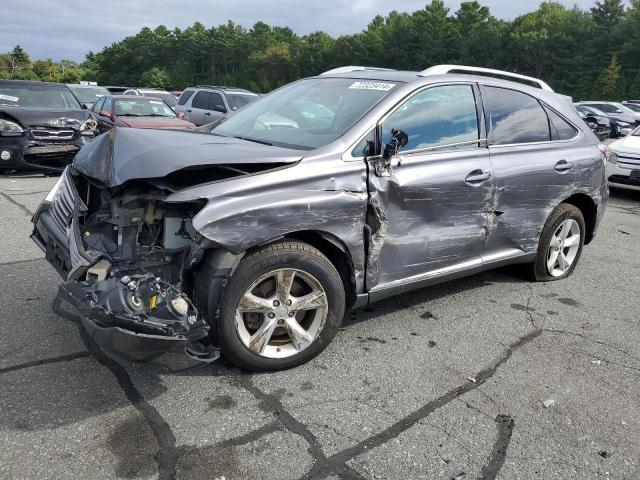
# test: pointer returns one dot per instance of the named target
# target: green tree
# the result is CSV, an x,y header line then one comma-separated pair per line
x,y
608,13
608,85
156,78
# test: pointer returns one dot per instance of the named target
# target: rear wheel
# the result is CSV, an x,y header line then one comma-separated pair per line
x,y
282,307
560,246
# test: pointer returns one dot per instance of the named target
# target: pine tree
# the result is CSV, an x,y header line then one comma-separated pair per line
x,y
608,83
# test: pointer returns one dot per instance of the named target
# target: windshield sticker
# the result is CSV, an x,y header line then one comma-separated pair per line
x,y
155,102
8,98
385,87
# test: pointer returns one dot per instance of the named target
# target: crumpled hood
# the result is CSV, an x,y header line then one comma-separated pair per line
x,y
155,122
124,154
30,117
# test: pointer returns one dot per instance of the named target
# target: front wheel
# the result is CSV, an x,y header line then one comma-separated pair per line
x,y
560,245
282,307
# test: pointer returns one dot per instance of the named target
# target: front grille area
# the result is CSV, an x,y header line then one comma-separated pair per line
x,y
63,204
626,160
42,134
55,160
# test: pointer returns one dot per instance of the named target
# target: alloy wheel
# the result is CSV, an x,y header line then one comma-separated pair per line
x,y
563,248
281,313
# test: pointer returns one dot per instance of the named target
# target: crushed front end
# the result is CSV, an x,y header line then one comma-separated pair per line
x,y
123,253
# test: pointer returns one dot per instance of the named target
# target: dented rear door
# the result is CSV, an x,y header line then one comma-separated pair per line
x,y
534,171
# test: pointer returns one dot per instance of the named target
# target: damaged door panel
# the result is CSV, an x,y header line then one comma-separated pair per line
x,y
253,237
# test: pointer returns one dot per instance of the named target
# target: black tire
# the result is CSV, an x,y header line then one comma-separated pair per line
x,y
282,254
537,270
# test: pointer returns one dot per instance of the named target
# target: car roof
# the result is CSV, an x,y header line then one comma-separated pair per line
x,y
33,83
221,87
82,85
133,97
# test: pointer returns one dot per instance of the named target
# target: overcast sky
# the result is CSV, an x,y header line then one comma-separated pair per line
x,y
68,29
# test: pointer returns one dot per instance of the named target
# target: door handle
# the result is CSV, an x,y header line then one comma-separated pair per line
x,y
207,113
188,111
563,166
477,177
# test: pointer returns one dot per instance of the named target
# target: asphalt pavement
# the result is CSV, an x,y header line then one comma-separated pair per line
x,y
480,378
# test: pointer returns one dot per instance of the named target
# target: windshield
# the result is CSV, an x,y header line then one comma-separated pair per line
x,y
88,94
592,111
166,97
237,100
42,96
306,114
143,107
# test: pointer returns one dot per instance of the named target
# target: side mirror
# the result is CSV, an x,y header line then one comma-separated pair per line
x,y
180,114
219,108
398,140
105,113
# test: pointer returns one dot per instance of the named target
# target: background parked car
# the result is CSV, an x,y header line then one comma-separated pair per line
x,y
87,95
135,112
42,125
625,120
205,103
598,122
165,96
623,167
633,106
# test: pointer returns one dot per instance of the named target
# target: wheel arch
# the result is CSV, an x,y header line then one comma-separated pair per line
x,y
589,210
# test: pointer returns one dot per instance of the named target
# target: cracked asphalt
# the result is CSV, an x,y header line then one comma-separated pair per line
x,y
480,378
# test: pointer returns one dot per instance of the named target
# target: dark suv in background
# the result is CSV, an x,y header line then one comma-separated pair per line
x,y
257,238
205,104
42,125
624,120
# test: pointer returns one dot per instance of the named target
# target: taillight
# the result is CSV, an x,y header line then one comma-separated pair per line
x,y
604,149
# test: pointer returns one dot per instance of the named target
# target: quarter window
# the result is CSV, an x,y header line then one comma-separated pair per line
x,y
107,105
98,106
184,98
435,117
514,117
560,128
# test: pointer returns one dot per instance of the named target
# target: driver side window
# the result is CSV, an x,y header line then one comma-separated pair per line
x,y
435,117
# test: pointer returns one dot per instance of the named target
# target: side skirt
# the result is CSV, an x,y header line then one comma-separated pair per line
x,y
458,270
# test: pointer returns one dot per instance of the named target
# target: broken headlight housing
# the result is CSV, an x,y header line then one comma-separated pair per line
x,y
10,129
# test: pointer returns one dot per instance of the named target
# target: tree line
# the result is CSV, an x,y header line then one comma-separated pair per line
x,y
591,53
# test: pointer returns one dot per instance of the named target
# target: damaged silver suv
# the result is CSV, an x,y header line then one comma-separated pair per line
x,y
328,194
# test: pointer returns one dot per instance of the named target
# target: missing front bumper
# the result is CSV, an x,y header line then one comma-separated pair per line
x,y
140,338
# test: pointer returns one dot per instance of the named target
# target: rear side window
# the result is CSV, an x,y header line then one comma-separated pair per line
x,y
201,100
435,117
186,95
560,128
514,117
215,99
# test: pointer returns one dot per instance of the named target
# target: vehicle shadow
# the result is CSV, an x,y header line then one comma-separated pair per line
x,y
76,389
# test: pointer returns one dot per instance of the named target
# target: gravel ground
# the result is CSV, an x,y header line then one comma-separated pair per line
x,y
485,377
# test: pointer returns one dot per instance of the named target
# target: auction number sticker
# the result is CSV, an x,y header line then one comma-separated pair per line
x,y
9,98
385,87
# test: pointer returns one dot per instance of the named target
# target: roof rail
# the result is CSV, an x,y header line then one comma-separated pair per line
x,y
354,68
443,69
220,87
